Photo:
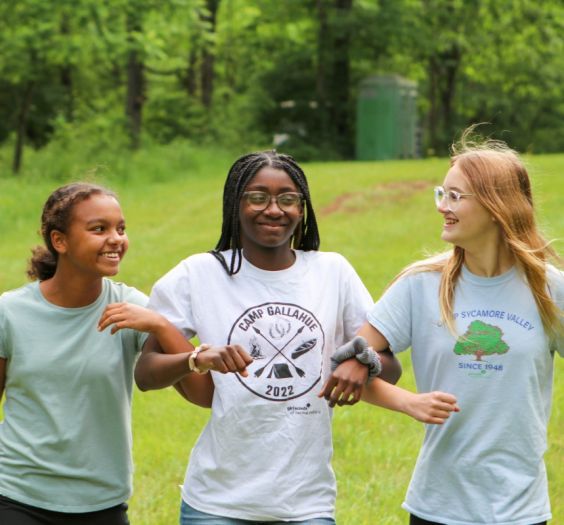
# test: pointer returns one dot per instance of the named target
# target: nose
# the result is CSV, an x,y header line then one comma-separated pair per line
x,y
443,205
273,208
115,237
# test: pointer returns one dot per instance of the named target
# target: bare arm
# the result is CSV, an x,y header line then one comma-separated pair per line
x,y
155,370
391,367
344,386
432,407
164,359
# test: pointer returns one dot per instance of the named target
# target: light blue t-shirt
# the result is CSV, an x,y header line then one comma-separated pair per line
x,y
485,464
65,441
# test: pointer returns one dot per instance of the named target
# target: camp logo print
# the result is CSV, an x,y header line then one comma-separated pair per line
x,y
481,340
286,342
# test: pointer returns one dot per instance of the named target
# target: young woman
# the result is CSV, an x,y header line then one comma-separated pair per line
x,y
65,441
490,339
265,454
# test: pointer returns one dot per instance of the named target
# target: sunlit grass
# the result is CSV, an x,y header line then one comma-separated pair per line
x,y
379,215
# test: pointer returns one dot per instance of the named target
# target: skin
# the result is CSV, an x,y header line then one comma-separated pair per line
x,y
92,248
266,235
266,240
474,229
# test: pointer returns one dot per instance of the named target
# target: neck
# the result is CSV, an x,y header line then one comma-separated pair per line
x,y
271,259
489,263
71,291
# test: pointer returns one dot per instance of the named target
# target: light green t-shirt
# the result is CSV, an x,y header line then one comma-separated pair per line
x,y
65,441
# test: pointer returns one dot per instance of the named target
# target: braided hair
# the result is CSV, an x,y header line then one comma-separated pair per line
x,y
56,215
306,235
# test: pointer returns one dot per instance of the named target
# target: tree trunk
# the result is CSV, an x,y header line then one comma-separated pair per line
x,y
341,78
432,116
66,74
321,73
135,83
208,53
21,126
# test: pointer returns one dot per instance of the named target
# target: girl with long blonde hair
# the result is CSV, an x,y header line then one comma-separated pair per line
x,y
483,321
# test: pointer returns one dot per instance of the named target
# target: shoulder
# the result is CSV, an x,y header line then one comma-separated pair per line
x,y
120,292
16,296
194,271
196,263
326,259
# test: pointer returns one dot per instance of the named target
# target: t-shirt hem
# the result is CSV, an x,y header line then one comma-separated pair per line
x,y
450,521
69,509
227,513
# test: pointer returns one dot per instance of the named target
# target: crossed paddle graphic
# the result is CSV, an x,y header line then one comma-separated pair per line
x,y
302,349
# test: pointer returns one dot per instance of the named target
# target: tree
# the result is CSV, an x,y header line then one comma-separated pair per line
x,y
481,339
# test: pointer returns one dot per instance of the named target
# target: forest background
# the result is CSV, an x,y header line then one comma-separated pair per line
x,y
102,75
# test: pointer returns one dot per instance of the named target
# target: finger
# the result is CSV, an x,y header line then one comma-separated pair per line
x,y
229,358
321,393
116,327
356,395
327,388
335,394
240,363
344,399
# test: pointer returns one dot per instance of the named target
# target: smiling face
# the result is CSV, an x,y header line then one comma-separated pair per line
x,y
269,231
95,241
471,226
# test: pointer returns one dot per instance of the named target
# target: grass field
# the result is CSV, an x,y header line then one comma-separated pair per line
x,y
379,215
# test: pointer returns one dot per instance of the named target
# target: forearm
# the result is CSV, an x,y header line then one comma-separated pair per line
x,y
155,370
381,393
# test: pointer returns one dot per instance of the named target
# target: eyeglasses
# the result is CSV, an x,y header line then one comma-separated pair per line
x,y
452,197
260,200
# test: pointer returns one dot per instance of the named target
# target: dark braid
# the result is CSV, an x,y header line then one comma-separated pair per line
x,y
306,236
56,215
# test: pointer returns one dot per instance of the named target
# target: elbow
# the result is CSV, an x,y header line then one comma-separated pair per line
x,y
143,380
391,367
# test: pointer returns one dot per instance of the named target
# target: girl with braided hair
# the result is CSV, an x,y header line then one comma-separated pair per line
x,y
265,454
65,441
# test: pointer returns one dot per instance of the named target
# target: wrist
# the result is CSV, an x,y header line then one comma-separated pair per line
x,y
192,359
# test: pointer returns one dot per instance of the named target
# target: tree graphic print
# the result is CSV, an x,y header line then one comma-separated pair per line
x,y
481,339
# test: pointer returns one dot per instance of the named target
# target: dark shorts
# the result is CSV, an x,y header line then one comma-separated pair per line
x,y
15,513
414,520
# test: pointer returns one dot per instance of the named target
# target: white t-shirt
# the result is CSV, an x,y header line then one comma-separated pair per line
x,y
265,453
485,464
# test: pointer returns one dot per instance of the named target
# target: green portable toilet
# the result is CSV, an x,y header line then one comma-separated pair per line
x,y
386,119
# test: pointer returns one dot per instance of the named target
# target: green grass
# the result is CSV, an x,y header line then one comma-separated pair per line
x,y
379,215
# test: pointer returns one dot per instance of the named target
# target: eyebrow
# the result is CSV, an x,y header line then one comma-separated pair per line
x,y
455,188
266,189
103,221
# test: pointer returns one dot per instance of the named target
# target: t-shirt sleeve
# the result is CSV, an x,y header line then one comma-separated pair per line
x,y
392,314
357,302
170,297
134,296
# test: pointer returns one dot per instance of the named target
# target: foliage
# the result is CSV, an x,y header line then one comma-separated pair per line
x,y
239,72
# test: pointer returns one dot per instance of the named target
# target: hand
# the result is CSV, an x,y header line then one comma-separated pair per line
x,y
431,407
127,315
346,381
224,359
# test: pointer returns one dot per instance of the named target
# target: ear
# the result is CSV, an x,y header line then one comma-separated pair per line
x,y
59,241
